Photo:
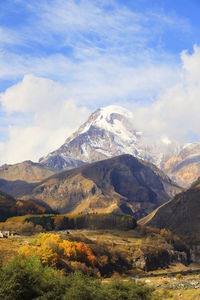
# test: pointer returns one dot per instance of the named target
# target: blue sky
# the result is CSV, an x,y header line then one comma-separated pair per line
x,y
44,28
66,58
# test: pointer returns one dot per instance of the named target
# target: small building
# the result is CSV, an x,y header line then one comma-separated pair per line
x,y
4,234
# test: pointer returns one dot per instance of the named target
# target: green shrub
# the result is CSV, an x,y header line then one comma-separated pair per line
x,y
26,279
82,287
127,290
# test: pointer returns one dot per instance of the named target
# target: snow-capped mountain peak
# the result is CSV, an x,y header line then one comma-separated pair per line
x,y
108,118
108,132
105,113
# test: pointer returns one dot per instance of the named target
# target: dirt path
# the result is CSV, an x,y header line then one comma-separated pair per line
x,y
186,272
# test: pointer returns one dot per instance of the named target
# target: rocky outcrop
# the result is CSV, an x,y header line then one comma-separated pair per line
x,y
159,258
59,162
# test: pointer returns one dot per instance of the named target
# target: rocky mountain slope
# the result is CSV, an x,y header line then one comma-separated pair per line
x,y
181,215
60,161
25,171
122,184
184,168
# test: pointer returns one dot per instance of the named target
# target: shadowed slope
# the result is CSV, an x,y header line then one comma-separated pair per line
x,y
10,207
181,215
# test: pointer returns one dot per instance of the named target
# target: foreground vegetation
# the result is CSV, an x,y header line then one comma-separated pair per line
x,y
79,264
85,257
26,278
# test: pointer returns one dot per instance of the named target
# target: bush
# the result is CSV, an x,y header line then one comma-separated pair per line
x,y
82,287
25,278
126,291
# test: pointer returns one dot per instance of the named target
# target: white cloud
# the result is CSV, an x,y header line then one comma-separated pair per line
x,y
32,93
176,111
82,34
53,116
103,25
100,80
9,37
98,49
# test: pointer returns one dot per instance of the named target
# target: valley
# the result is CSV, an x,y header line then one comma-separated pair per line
x,y
110,205
99,150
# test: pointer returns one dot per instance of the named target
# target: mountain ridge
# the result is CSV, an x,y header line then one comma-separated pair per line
x,y
111,185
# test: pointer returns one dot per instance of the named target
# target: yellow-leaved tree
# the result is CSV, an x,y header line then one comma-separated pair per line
x,y
51,249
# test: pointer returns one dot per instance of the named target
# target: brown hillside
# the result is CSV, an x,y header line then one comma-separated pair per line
x,y
122,184
181,215
26,171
